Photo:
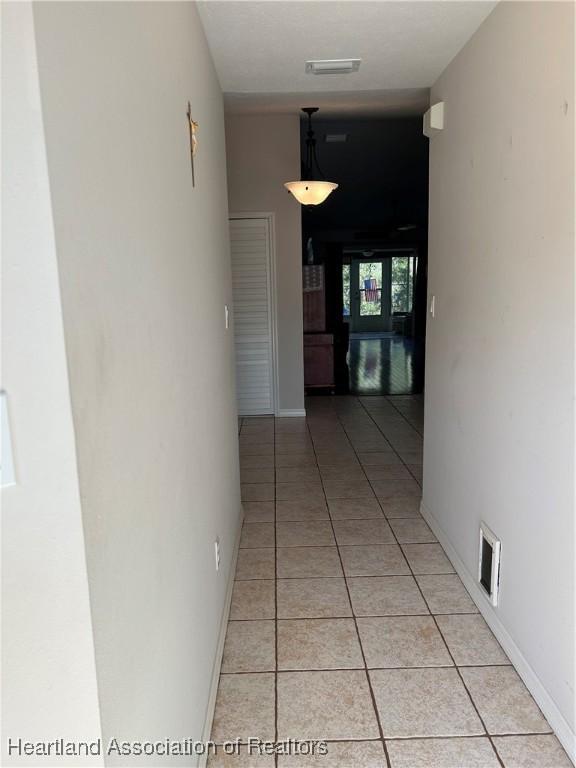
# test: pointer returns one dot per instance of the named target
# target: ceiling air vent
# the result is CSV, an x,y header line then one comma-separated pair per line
x,y
489,563
332,66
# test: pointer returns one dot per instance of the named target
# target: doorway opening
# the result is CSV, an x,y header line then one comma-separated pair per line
x,y
384,354
365,260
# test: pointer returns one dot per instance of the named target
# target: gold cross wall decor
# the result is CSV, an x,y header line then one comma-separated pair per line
x,y
192,127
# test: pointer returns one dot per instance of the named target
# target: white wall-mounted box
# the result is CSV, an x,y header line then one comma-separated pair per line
x,y
434,120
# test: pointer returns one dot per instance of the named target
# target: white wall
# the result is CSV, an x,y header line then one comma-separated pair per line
x,y
499,439
145,273
48,670
263,152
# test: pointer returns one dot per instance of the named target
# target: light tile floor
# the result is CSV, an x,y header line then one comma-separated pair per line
x,y
348,623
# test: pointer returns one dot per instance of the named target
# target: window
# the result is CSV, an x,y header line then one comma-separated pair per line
x,y
402,286
346,290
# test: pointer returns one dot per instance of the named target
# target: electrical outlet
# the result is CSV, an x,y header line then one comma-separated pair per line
x,y
217,553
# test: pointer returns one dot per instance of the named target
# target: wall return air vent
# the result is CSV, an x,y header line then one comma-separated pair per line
x,y
489,563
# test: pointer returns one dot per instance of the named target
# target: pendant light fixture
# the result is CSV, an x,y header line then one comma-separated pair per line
x,y
310,191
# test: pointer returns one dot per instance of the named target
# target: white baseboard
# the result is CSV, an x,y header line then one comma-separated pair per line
x,y
291,413
207,730
557,721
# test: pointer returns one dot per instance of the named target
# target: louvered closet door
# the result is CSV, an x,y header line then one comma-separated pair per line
x,y
251,287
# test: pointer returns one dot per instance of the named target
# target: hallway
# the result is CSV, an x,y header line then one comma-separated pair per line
x,y
154,247
348,623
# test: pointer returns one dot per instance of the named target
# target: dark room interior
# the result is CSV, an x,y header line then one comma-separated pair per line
x,y
365,256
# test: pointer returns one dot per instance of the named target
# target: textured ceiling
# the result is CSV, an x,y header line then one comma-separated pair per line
x,y
260,49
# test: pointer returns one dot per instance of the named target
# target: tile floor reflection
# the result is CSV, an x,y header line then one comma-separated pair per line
x,y
392,365
348,623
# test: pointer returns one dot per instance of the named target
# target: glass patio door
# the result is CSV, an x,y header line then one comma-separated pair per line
x,y
370,295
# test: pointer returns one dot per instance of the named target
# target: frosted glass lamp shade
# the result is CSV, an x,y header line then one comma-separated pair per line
x,y
310,192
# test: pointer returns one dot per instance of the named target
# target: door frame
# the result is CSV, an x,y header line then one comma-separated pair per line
x,y
272,293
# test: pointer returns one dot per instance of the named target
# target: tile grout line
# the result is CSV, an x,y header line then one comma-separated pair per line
x,y
393,534
275,599
368,616
406,419
369,682
458,672
405,464
354,575
361,669
476,736
345,520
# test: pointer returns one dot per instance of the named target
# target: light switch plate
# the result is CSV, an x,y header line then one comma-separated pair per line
x,y
7,474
